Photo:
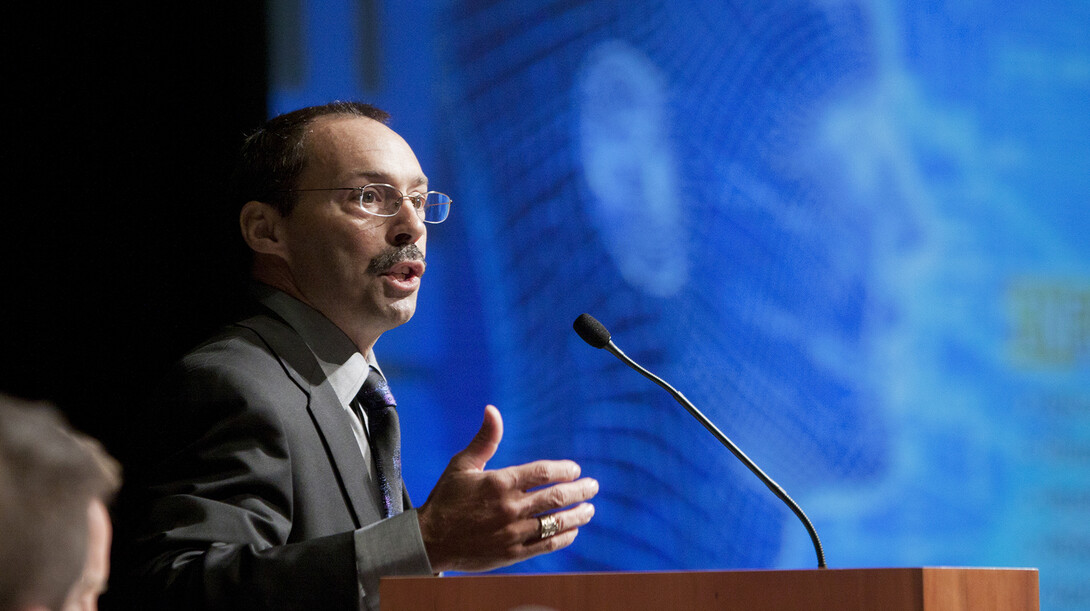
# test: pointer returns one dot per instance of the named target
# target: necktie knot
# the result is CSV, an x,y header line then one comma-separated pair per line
x,y
375,394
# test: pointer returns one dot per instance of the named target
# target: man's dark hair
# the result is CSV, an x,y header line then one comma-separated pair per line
x,y
49,474
274,156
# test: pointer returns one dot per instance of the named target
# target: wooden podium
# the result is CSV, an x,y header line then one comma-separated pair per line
x,y
902,589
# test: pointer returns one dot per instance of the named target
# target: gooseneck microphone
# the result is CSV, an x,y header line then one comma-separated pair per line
x,y
595,334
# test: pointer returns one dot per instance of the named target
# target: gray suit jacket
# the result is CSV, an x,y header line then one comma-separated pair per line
x,y
257,493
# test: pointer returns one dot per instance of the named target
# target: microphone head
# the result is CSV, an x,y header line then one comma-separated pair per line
x,y
591,331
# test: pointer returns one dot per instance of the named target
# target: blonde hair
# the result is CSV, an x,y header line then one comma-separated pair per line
x,y
49,474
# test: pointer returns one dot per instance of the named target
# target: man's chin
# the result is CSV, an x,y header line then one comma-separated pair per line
x,y
400,311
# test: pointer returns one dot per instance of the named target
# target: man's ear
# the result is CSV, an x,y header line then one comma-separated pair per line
x,y
262,229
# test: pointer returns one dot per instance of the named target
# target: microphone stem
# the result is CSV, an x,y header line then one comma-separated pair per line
x,y
773,486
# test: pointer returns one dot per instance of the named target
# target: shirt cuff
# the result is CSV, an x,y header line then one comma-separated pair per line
x,y
388,547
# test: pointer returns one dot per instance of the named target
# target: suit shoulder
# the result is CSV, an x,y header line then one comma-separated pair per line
x,y
234,370
233,381
238,353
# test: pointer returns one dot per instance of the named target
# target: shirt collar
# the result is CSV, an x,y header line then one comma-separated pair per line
x,y
344,366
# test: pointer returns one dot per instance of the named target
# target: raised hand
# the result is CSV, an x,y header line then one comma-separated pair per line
x,y
477,520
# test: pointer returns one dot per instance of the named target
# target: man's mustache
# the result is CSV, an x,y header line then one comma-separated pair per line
x,y
393,256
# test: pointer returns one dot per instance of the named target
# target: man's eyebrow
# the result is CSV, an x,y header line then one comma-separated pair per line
x,y
372,176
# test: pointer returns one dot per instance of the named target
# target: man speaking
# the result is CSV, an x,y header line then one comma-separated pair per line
x,y
276,482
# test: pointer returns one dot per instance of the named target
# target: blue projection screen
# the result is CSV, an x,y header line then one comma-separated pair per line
x,y
853,233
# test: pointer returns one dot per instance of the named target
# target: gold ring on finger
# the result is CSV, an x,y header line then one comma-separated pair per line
x,y
548,526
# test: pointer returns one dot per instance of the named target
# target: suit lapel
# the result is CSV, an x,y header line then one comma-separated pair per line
x,y
326,411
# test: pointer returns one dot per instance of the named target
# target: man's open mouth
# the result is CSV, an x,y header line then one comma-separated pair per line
x,y
405,270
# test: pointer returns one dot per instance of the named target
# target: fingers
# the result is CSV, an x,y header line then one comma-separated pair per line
x,y
542,472
568,522
483,446
559,495
568,519
542,486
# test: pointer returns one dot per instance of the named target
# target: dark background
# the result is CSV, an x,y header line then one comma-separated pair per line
x,y
119,249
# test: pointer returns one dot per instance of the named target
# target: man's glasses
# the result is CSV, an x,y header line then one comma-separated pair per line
x,y
385,200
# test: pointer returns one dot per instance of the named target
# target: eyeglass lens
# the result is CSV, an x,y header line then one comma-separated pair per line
x,y
385,200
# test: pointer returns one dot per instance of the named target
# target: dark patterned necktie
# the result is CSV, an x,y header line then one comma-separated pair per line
x,y
384,435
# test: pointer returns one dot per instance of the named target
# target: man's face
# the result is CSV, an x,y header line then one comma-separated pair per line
x,y
85,593
343,261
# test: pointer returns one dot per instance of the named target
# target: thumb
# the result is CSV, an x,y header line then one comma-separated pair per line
x,y
483,446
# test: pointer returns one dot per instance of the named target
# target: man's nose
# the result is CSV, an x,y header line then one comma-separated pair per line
x,y
407,225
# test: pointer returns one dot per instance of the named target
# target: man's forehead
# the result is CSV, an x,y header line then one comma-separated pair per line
x,y
338,122
339,134
360,147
